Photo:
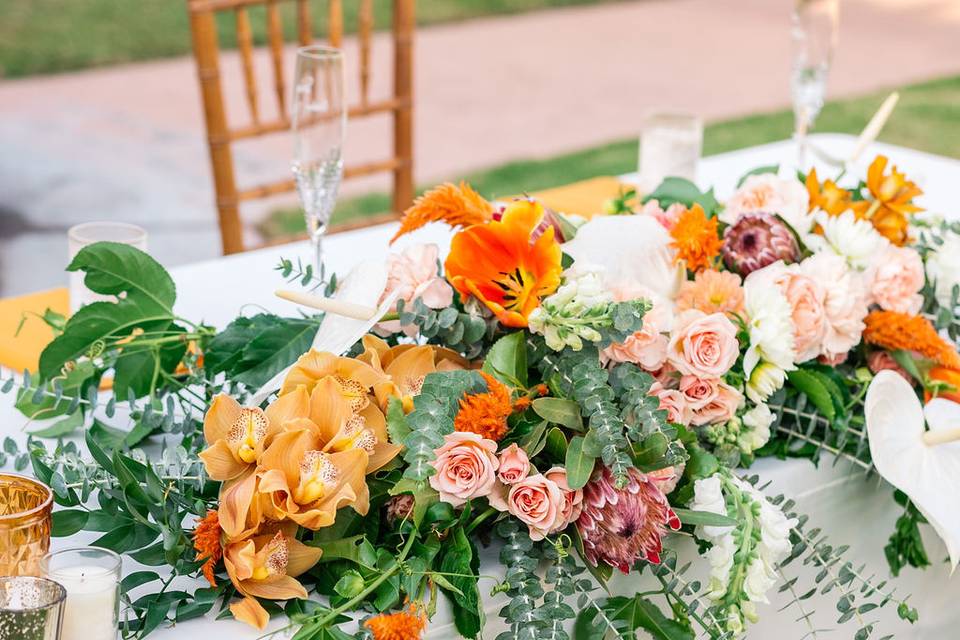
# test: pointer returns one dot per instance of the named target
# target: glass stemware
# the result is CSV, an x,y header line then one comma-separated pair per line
x,y
814,30
319,123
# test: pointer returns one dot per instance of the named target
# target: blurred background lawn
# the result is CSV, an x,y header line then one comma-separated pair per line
x,y
925,119
48,36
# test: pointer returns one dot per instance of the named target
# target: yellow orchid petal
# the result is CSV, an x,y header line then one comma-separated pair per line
x,y
250,611
300,557
290,406
375,421
236,497
220,462
329,408
276,588
381,455
220,417
239,559
286,452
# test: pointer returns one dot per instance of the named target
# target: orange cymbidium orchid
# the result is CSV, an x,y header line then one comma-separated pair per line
x,y
406,366
355,379
237,436
266,566
504,266
893,201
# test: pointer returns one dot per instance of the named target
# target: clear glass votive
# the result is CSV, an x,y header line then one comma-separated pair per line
x,y
670,145
30,608
25,507
81,235
91,576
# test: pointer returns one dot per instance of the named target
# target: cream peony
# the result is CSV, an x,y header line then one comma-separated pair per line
x,y
895,278
856,241
703,345
943,268
767,192
466,467
845,303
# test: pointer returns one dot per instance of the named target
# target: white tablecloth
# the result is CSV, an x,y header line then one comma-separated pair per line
x,y
855,512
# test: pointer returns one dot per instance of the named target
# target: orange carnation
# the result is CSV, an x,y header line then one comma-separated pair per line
x,y
485,414
893,331
407,624
695,238
208,545
457,206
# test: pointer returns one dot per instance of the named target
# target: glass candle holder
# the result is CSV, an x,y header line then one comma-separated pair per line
x,y
81,235
91,576
670,145
30,608
25,507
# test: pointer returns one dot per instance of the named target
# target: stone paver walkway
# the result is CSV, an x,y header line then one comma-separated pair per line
x,y
127,142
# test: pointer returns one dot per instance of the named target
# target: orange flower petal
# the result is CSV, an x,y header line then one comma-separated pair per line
x,y
250,611
236,497
223,411
277,588
220,462
300,557
295,404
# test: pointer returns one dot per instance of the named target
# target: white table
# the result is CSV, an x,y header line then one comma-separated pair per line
x,y
855,512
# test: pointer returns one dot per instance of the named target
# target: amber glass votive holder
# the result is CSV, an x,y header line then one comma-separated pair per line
x,y
25,508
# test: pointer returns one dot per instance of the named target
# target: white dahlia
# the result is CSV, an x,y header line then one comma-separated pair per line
x,y
769,320
856,241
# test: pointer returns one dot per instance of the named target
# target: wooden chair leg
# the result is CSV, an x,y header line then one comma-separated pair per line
x,y
403,33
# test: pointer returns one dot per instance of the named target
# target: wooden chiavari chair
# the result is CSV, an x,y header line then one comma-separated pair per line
x,y
221,135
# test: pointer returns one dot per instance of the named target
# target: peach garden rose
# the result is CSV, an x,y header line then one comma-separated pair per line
x,y
538,502
514,465
895,278
466,467
703,345
673,402
699,392
572,499
720,409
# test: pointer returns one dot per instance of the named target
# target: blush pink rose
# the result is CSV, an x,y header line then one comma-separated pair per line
x,y
537,502
703,345
882,361
806,297
414,274
673,402
895,277
699,392
514,465
720,409
572,499
466,468
647,347
844,305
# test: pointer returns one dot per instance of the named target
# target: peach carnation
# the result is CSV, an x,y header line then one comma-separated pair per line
x,y
844,304
895,277
712,291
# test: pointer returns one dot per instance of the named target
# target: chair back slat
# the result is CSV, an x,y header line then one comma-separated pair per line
x,y
221,134
275,38
245,45
304,25
365,35
335,24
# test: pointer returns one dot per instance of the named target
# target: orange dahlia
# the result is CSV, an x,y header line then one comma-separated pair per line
x,y
504,265
695,238
900,331
208,545
485,414
407,624
458,206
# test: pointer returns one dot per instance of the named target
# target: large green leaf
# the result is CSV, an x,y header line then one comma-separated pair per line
x,y
812,385
579,465
274,350
459,565
559,411
137,368
145,296
507,359
225,350
640,613
681,190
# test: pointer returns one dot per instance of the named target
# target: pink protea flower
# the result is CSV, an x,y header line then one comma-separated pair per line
x,y
756,240
620,526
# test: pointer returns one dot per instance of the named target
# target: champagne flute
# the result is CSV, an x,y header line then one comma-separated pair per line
x,y
814,32
319,123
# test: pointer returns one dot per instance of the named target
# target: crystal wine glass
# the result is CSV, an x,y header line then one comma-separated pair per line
x,y
319,123
814,34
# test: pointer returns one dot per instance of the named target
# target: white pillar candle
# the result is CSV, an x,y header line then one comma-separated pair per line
x,y
91,607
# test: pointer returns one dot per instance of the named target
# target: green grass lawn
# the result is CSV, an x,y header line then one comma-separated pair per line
x,y
926,118
46,36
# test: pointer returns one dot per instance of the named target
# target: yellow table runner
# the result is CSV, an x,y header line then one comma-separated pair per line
x,y
585,198
22,351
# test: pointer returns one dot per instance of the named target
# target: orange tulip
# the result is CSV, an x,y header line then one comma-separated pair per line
x,y
948,376
502,265
266,566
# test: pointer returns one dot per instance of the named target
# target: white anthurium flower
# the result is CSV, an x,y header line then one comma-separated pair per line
x,y
633,251
856,241
363,285
923,464
943,267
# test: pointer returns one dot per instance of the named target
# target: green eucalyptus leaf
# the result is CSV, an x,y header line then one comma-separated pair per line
x,y
579,465
559,411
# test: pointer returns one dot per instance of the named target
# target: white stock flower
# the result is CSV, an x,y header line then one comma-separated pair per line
x,y
943,267
756,428
856,241
769,320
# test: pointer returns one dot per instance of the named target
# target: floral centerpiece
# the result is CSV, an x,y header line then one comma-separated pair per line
x,y
574,394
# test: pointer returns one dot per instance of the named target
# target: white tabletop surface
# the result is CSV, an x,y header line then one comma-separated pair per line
x,y
855,512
